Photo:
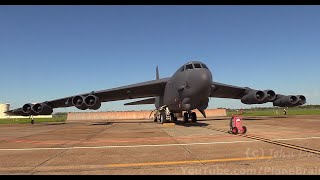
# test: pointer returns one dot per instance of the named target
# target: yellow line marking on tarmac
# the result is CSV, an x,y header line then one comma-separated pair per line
x,y
187,162
94,167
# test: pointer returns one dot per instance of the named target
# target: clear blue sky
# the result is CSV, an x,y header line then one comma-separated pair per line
x,y
49,52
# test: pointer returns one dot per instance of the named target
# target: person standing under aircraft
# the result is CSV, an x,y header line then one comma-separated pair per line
x,y
284,111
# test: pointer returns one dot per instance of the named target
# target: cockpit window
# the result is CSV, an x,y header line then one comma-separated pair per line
x,y
197,66
189,66
182,69
204,66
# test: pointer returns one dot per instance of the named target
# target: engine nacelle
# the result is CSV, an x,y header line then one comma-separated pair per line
x,y
286,101
271,95
301,100
42,109
254,97
92,102
78,102
27,109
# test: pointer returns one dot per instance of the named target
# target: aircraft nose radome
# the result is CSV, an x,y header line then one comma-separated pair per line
x,y
204,76
203,82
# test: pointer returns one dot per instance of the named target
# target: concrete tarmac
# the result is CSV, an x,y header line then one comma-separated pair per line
x,y
272,145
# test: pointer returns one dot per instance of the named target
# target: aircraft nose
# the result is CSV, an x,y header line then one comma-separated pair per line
x,y
204,81
204,76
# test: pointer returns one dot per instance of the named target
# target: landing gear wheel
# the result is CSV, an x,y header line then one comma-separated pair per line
x,y
235,130
193,117
32,121
244,129
172,118
185,117
162,118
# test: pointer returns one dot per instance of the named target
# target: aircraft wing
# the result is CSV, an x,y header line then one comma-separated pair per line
x,y
144,101
140,90
252,96
221,90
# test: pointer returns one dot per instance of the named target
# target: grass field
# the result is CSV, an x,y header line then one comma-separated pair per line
x,y
275,112
36,120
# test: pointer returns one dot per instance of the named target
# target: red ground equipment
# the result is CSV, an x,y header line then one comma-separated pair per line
x,y
236,125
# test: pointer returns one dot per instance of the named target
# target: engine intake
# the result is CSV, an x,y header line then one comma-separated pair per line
x,y
302,100
254,97
27,109
92,102
286,101
42,109
78,102
271,95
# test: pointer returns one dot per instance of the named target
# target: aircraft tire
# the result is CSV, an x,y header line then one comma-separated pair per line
x,y
163,118
193,117
185,117
172,118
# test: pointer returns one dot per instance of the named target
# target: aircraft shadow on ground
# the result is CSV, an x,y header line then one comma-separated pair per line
x,y
178,123
101,123
200,122
197,124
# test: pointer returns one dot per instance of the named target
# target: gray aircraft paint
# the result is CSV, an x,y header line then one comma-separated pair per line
x,y
185,90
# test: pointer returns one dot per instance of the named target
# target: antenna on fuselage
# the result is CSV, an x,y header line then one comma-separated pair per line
x,y
157,73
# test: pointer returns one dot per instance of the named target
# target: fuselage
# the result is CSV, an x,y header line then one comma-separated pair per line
x,y
188,88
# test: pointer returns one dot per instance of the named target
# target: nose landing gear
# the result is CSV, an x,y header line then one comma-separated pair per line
x,y
191,115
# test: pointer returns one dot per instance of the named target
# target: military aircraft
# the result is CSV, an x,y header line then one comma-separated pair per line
x,y
189,88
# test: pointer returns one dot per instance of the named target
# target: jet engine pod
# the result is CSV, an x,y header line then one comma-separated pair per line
x,y
301,100
27,109
271,95
92,102
42,109
254,97
285,101
78,102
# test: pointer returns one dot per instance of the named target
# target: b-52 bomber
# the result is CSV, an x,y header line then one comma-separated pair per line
x,y
189,88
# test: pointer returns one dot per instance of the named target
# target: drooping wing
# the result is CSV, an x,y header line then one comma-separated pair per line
x,y
140,90
252,96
